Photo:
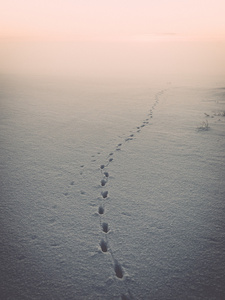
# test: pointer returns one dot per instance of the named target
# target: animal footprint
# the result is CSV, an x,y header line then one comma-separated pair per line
x,y
124,297
103,182
101,210
104,194
105,227
106,174
118,270
103,245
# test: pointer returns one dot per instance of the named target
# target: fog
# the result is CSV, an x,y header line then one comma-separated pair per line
x,y
113,59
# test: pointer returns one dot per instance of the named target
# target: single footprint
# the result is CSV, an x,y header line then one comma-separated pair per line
x,y
101,210
103,245
52,220
106,174
118,270
72,183
124,297
105,227
111,159
119,145
103,182
21,257
111,153
102,167
34,237
104,194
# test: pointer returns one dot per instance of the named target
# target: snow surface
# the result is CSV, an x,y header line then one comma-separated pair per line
x,y
112,191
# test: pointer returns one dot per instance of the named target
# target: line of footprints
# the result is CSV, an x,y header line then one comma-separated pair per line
x,y
104,243
105,178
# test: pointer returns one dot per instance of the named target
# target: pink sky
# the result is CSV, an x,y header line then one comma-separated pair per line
x,y
90,37
112,20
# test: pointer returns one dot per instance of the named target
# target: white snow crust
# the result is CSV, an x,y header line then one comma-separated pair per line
x,y
112,190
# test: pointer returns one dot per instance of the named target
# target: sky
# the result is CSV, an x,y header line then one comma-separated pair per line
x,y
59,34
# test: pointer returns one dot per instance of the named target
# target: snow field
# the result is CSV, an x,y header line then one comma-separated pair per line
x,y
117,196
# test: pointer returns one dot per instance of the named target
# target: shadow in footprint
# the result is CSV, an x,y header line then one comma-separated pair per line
x,y
103,182
21,257
103,245
118,270
105,194
101,210
105,227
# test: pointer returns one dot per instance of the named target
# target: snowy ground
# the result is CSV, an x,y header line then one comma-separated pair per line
x,y
157,149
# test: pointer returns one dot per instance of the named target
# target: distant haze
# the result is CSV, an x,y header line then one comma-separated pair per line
x,y
123,38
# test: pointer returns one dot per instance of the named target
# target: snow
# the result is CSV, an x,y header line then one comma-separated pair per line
x,y
111,191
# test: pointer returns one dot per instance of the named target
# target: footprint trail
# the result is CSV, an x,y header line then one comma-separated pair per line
x,y
119,271
104,244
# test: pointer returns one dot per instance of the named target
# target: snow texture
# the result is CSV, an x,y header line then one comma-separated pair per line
x,y
112,191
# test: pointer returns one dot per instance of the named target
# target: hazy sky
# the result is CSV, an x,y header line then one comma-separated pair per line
x,y
89,19
110,34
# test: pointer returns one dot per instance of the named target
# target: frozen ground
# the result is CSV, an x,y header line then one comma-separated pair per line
x,y
112,191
